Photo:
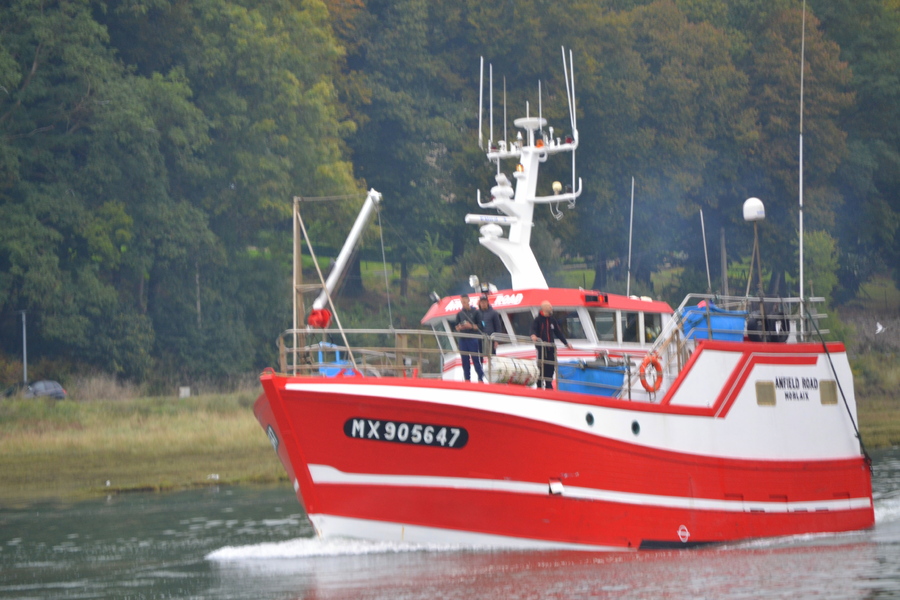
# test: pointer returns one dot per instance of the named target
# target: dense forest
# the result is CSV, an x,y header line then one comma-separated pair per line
x,y
150,151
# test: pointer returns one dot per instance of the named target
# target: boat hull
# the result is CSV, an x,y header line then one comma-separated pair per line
x,y
446,462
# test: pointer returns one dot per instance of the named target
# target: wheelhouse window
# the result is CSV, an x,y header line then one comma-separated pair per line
x,y
630,326
521,322
604,324
652,326
571,324
441,331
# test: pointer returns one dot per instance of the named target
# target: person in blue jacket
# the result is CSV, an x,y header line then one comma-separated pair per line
x,y
490,323
469,321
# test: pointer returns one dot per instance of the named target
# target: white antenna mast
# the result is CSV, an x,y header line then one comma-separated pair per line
x,y
568,90
630,225
705,253
802,55
491,75
574,113
540,106
574,116
505,139
481,104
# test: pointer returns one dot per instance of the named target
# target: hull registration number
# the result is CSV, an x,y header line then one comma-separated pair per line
x,y
400,432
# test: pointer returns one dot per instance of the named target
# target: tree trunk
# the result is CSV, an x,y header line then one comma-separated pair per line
x,y
404,276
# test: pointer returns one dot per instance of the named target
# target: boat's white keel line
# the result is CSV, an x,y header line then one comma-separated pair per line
x,y
331,526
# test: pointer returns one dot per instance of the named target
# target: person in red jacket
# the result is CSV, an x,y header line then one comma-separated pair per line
x,y
543,331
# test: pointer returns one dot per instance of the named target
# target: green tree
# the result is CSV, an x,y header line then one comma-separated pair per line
x,y
76,150
820,255
868,32
260,76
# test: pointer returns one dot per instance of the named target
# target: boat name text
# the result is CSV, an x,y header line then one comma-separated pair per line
x,y
796,388
455,305
400,432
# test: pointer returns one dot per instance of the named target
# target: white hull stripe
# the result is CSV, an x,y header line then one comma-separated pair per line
x,y
328,526
325,474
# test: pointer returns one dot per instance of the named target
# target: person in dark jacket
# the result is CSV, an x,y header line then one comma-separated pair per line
x,y
490,323
468,321
543,331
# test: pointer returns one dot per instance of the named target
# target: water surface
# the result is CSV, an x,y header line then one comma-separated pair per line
x,y
255,543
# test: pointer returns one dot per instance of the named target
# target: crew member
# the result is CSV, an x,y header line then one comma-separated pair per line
x,y
467,321
490,323
543,330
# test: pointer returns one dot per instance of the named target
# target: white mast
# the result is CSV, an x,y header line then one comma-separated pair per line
x,y
480,104
630,225
491,86
505,139
540,106
802,54
705,253
517,203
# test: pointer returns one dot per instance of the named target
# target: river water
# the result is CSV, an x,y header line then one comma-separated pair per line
x,y
251,543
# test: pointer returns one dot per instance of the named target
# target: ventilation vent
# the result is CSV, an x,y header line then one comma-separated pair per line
x,y
765,393
828,391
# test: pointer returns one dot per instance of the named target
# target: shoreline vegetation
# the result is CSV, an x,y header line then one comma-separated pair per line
x,y
70,450
77,449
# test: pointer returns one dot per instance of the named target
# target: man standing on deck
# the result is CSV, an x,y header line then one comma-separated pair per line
x,y
468,321
544,328
490,323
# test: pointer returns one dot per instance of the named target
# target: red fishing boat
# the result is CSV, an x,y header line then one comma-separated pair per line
x,y
724,419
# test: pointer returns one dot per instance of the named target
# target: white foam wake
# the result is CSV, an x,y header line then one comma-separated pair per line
x,y
317,547
887,509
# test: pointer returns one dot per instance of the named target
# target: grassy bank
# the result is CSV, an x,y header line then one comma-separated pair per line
x,y
71,449
877,379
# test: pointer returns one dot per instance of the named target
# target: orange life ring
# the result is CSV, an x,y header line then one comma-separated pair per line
x,y
651,359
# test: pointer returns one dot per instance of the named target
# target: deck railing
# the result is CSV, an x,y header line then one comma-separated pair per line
x,y
796,320
421,353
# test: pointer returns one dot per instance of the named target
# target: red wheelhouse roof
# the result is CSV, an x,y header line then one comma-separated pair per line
x,y
558,297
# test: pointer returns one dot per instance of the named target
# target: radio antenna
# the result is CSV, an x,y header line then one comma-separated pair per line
x,y
705,253
481,105
568,91
505,139
630,227
491,86
802,53
540,106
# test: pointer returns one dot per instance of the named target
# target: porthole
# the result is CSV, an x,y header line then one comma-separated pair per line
x,y
635,427
590,419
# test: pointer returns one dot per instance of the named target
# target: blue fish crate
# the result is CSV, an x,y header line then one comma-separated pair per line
x,y
587,378
711,322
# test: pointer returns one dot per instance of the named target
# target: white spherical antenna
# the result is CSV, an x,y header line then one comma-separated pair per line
x,y
491,230
754,210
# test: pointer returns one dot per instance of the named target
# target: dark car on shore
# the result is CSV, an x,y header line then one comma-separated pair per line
x,y
45,388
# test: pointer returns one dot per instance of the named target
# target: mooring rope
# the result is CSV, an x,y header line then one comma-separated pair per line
x,y
862,445
337,318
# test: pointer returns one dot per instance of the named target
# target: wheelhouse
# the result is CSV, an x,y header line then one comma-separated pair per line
x,y
588,318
